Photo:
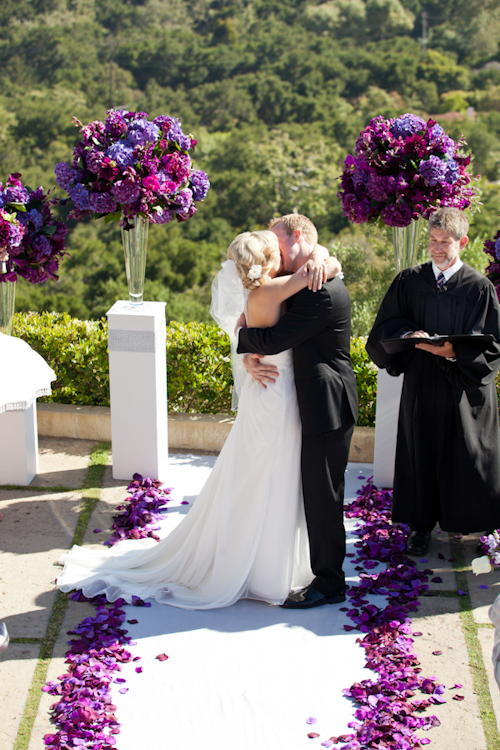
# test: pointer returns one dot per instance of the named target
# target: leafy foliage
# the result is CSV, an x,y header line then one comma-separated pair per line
x,y
276,92
198,363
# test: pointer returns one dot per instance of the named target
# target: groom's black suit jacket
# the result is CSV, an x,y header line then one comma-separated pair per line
x,y
317,326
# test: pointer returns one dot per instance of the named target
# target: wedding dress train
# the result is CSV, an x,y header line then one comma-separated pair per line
x,y
245,535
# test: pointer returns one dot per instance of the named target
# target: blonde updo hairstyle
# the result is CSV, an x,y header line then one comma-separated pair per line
x,y
253,249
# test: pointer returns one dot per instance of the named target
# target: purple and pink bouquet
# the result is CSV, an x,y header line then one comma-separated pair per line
x,y
131,166
32,237
404,168
492,248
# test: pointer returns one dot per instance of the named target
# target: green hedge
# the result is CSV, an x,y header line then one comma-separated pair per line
x,y
198,361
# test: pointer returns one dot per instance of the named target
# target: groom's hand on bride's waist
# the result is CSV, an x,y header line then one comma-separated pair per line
x,y
260,371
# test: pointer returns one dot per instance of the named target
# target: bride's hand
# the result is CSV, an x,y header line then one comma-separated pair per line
x,y
4,255
262,373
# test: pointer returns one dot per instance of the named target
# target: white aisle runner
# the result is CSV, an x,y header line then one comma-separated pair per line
x,y
247,676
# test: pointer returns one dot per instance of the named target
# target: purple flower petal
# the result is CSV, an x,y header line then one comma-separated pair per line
x,y
437,653
311,720
462,593
97,531
483,586
161,657
123,690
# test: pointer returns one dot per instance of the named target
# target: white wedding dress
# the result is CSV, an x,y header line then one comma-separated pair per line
x,y
245,535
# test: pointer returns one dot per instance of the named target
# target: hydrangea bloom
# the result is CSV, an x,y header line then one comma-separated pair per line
x,y
102,203
122,153
133,166
199,185
142,131
433,170
452,171
402,169
407,125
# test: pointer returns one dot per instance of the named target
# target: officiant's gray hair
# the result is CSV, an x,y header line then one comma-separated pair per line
x,y
253,249
450,220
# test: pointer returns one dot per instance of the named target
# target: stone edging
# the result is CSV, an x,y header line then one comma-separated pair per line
x,y
200,432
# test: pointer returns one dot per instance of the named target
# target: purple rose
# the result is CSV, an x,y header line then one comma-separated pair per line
x,y
142,131
433,170
199,184
360,180
452,172
176,166
183,200
161,216
102,203
407,125
93,160
125,191
380,187
396,214
122,153
65,175
80,196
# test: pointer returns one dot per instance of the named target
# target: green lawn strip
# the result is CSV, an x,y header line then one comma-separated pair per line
x,y
91,493
476,663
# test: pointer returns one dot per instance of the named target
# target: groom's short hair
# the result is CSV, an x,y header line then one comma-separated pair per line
x,y
291,222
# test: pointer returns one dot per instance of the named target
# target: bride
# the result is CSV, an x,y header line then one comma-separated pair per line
x,y
245,535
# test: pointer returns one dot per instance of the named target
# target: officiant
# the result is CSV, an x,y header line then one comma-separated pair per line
x,y
447,468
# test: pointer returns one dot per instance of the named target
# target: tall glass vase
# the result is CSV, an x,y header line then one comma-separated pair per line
x,y
405,241
7,299
135,245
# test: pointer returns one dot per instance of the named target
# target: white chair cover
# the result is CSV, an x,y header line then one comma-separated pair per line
x,y
24,375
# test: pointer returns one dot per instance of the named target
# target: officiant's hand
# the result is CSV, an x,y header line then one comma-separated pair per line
x,y
4,255
261,372
443,350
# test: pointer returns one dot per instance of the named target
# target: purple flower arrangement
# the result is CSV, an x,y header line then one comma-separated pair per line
x,y
492,248
32,237
131,166
404,168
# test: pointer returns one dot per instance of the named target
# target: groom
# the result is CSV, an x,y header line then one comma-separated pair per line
x,y
317,326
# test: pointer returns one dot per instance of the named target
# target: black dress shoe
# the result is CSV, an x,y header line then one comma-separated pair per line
x,y
418,542
310,597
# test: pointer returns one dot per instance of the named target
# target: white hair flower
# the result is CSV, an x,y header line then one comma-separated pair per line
x,y
255,272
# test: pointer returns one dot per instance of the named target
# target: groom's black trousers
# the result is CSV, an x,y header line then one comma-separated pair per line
x,y
324,459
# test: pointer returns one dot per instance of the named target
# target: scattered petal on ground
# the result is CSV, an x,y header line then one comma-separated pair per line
x,y
161,657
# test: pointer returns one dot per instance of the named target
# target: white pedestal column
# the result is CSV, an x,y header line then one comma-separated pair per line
x,y
138,389
386,427
18,446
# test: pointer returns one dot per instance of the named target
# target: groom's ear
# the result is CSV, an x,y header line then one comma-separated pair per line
x,y
296,234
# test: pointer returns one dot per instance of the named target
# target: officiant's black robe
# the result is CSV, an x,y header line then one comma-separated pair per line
x,y
448,446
